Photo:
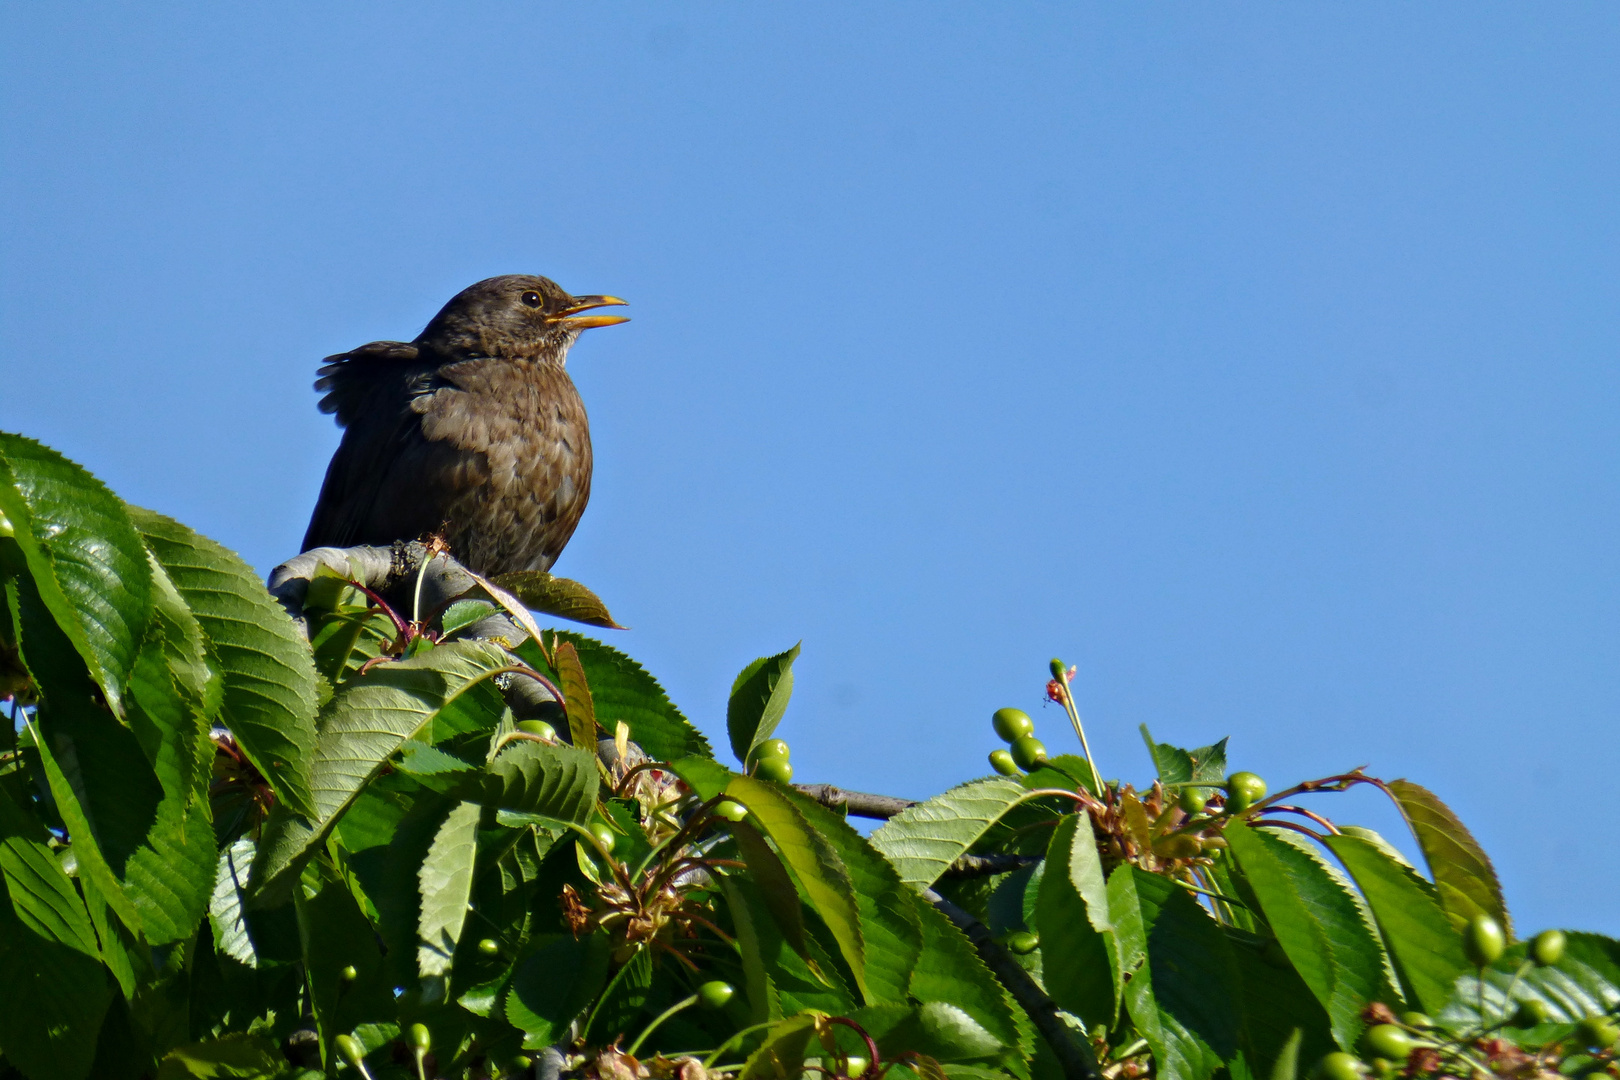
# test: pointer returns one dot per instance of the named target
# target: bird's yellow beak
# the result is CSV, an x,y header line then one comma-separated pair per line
x,y
568,320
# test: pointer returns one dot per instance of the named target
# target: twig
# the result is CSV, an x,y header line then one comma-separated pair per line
x,y
856,803
1074,1055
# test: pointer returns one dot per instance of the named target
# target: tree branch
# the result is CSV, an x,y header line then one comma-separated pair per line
x,y
858,803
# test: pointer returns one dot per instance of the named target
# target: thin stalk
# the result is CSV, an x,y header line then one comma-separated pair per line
x,y
1079,729
1507,1002
684,1003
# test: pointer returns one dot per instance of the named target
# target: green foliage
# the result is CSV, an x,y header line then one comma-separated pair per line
x,y
221,840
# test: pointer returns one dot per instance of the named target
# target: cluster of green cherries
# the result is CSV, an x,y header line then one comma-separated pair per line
x,y
1025,752
1389,1046
769,761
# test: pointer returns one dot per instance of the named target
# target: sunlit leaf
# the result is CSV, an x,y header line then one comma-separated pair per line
x,y
1426,948
362,727
622,690
445,880
1183,985
1585,982
1461,870
558,596
814,861
759,698
1080,963
264,660
84,556
1319,922
923,840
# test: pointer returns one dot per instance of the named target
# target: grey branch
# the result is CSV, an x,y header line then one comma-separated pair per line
x,y
858,803
1073,1053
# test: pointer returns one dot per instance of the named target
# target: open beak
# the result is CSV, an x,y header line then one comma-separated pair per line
x,y
567,318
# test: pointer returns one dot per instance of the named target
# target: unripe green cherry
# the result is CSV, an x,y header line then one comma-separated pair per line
x,y
1002,761
1058,670
1012,723
1483,940
352,1051
1417,1020
1193,799
489,947
1389,1041
349,974
1028,751
715,994
605,836
538,727
1339,1066
778,770
771,748
1531,1013
421,1038
522,1061
731,811
1547,947
1598,1031
1243,790
855,1065
6,528
1023,942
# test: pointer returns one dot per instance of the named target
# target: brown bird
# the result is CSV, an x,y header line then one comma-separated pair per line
x,y
473,432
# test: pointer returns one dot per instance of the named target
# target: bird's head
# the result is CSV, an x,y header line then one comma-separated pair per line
x,y
516,315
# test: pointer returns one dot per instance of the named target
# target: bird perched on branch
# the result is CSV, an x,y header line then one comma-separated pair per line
x,y
473,432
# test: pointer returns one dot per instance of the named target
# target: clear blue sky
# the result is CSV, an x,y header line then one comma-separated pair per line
x,y
1258,359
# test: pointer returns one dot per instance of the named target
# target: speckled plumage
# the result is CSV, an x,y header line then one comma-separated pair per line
x,y
473,431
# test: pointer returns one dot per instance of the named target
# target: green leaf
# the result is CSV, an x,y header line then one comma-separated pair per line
x,y
949,971
41,893
558,782
363,726
1461,871
773,882
781,1055
935,1029
445,878
1182,991
554,985
888,909
576,688
1585,982
334,934
464,613
923,840
622,1001
1424,945
822,876
229,1057
540,591
1318,920
621,689
1277,1006
1080,961
225,908
704,775
83,554
52,996
779,979
173,693
759,697
269,674
1206,765
98,775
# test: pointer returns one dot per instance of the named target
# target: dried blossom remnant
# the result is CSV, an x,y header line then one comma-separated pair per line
x,y
1377,1012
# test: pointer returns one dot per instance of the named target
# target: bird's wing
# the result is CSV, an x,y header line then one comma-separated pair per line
x,y
387,481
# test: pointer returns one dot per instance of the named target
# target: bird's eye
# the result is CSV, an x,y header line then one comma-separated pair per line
x,y
531,298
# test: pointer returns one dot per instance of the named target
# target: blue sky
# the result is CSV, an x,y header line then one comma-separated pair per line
x,y
1258,359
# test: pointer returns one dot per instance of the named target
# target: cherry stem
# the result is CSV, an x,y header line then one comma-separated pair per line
x,y
1079,729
